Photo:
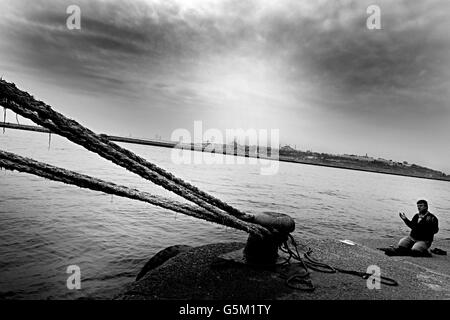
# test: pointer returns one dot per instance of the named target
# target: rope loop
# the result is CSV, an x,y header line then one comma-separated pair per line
x,y
310,263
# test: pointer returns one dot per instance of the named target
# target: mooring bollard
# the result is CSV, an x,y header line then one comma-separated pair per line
x,y
265,250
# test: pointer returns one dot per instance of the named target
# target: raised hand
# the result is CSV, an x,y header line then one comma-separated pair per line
x,y
402,215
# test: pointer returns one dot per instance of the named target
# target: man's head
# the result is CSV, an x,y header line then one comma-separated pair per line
x,y
422,206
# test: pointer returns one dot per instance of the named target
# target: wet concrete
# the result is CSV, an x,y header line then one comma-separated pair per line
x,y
200,274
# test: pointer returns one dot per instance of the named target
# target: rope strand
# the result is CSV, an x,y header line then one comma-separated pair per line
x,y
45,116
24,104
12,161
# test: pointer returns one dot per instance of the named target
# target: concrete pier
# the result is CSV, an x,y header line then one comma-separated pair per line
x,y
199,274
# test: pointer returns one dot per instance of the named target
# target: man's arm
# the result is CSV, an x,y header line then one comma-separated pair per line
x,y
433,224
406,220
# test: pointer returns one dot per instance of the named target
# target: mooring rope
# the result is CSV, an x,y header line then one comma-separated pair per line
x,y
24,104
310,263
13,161
209,207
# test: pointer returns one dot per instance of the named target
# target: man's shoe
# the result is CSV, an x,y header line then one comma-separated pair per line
x,y
439,251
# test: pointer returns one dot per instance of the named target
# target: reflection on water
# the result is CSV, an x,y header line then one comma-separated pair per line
x,y
46,226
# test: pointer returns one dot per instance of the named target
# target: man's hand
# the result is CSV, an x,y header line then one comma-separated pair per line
x,y
402,215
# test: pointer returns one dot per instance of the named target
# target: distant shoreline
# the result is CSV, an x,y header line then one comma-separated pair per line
x,y
201,148
365,170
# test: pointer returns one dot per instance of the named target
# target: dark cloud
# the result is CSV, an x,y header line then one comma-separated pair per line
x,y
330,48
320,53
410,52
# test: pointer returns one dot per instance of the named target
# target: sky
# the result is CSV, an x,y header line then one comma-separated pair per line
x,y
311,69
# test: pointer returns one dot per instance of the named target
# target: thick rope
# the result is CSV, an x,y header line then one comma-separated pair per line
x,y
45,116
12,161
24,104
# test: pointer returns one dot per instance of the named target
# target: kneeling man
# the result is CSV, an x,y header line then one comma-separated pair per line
x,y
424,225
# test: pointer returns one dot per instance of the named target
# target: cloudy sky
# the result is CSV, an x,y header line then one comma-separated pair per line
x,y
309,68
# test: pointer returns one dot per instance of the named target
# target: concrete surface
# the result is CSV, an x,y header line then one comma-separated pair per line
x,y
199,274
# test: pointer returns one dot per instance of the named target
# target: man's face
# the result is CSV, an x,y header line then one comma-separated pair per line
x,y
422,208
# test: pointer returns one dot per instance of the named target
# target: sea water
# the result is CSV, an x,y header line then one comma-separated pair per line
x,y
47,226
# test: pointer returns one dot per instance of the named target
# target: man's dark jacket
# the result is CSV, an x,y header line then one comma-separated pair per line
x,y
425,229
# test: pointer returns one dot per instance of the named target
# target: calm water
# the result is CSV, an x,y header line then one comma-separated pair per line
x,y
46,226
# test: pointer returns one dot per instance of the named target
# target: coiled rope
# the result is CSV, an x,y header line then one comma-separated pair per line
x,y
301,280
42,114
